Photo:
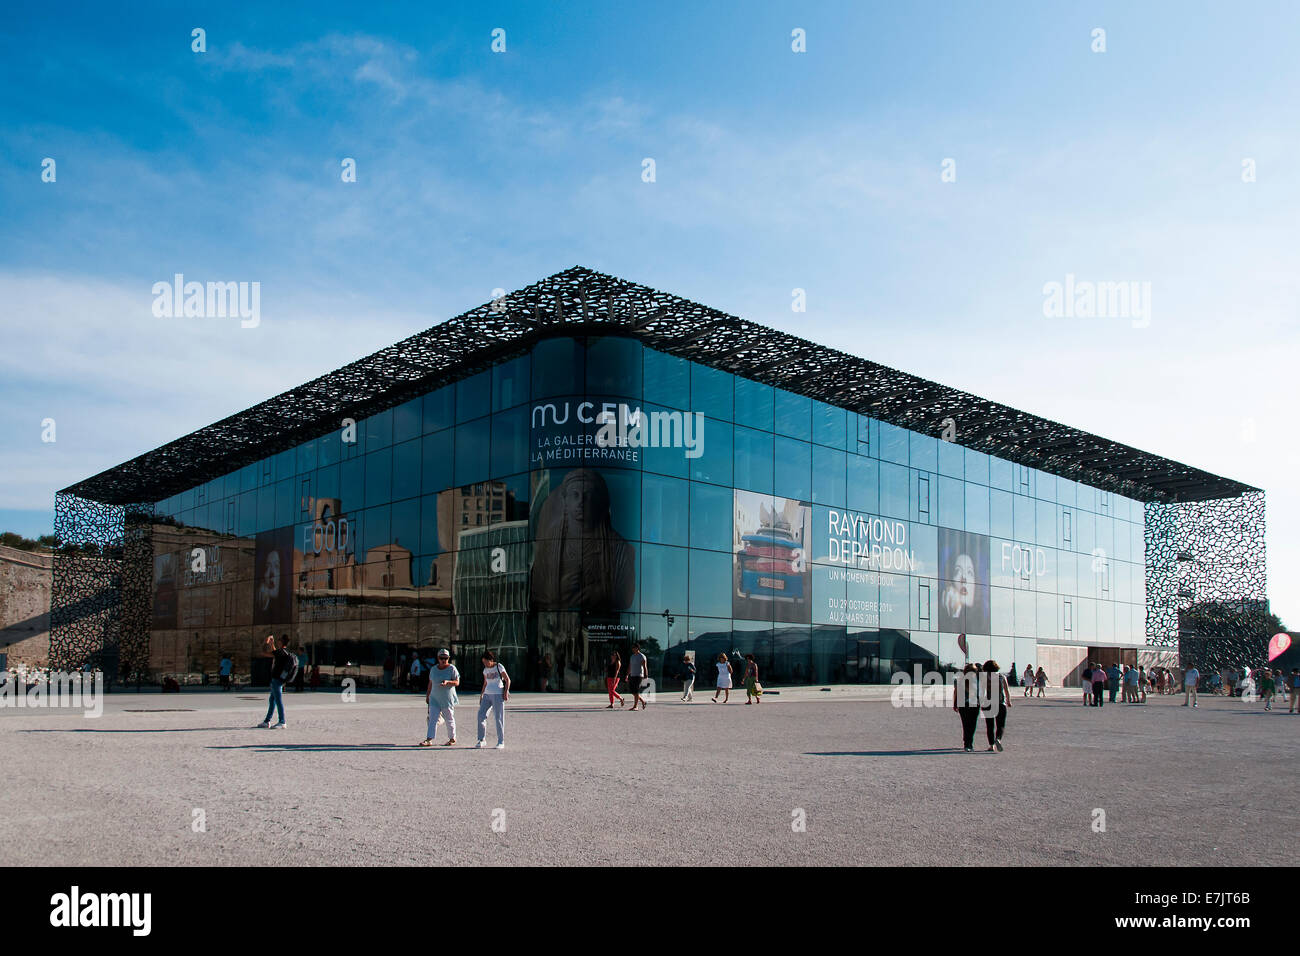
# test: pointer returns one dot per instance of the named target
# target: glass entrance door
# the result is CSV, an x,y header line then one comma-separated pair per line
x,y
561,652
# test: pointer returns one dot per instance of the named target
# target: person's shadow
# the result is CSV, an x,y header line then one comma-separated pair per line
x,y
130,730
937,751
324,748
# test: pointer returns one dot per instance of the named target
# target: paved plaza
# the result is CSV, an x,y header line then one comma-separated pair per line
x,y
698,784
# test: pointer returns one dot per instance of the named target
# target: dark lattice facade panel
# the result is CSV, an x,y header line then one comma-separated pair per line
x,y
1211,654
1200,553
580,301
137,593
86,586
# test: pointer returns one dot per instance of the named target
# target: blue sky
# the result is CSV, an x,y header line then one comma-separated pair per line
x,y
775,170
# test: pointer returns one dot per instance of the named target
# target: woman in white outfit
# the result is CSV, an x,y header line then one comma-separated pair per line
x,y
724,680
496,691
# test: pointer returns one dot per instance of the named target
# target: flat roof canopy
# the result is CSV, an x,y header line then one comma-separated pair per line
x,y
580,301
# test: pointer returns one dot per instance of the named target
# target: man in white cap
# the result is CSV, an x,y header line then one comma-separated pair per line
x,y
441,698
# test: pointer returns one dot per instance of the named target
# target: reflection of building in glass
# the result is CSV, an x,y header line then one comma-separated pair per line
x,y
482,503
491,585
328,549
821,523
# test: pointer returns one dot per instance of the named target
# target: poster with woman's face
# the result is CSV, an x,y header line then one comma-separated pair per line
x,y
963,582
273,577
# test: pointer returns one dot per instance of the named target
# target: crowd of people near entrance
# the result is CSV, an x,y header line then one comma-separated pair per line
x,y
1123,682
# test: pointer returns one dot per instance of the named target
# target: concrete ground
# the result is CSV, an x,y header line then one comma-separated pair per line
x,y
698,784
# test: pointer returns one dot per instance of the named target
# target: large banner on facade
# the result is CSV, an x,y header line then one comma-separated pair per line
x,y
273,578
963,582
772,576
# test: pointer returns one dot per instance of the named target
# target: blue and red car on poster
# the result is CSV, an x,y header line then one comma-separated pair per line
x,y
771,565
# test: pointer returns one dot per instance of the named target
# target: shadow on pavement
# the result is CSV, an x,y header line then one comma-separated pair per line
x,y
938,751
331,748
139,730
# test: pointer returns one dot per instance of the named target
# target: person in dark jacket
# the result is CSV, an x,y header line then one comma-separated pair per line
x,y
966,704
282,667
995,702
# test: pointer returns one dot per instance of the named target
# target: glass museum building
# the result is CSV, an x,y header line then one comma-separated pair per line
x,y
587,463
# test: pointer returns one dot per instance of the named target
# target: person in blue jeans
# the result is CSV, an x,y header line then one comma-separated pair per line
x,y
496,691
282,668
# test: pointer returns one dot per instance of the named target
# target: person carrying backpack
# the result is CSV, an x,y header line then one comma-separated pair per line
x,y
284,668
496,691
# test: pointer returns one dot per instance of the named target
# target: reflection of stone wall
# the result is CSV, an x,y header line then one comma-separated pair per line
x,y
1199,552
219,596
25,606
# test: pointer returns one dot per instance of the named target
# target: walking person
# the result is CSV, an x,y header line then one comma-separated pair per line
x,y
753,689
966,703
1142,684
612,669
496,691
724,680
1112,681
1086,679
1098,685
688,680
1267,688
225,670
1040,681
1191,677
441,698
995,702
283,669
637,671
1029,679
1295,689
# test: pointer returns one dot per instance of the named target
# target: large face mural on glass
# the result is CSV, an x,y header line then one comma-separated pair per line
x,y
583,572
579,559
963,582
273,581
